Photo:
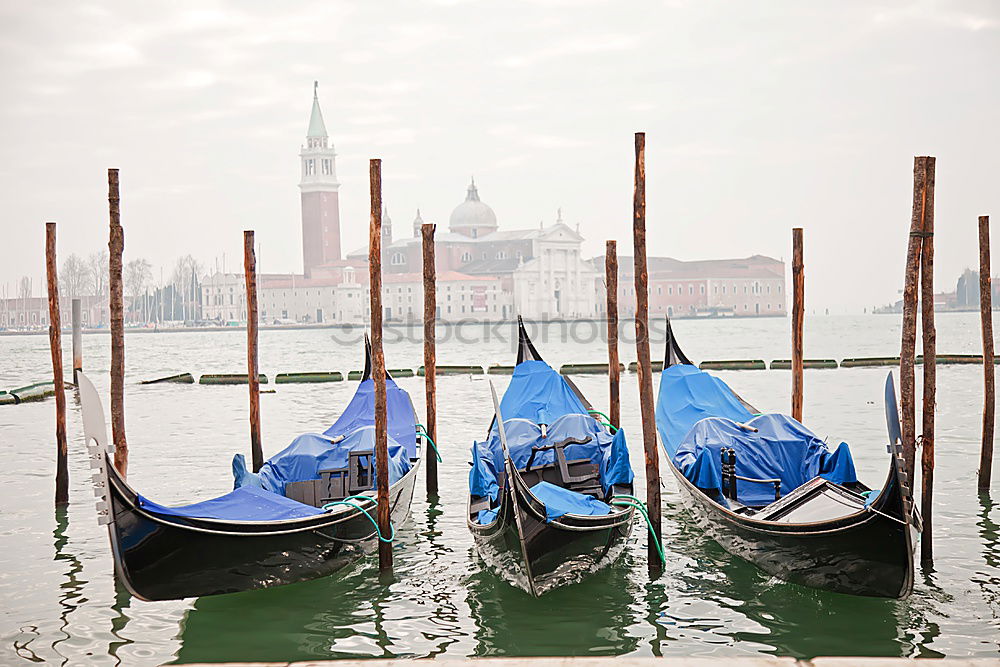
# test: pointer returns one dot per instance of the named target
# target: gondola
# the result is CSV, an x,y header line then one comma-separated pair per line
x,y
542,507
768,490
272,528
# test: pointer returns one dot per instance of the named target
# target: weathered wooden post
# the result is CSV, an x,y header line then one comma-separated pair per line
x,y
986,316
55,346
378,365
907,355
77,338
430,357
642,351
798,315
614,377
930,370
253,374
116,245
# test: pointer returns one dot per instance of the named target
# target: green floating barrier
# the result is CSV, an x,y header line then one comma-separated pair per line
x,y
869,362
180,378
401,372
948,359
654,366
310,377
786,364
33,392
587,369
231,378
497,369
354,375
734,365
453,370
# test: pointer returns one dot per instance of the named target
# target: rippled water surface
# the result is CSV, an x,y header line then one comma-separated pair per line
x,y
60,602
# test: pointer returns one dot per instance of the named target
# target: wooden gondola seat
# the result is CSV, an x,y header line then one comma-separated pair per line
x,y
578,475
336,483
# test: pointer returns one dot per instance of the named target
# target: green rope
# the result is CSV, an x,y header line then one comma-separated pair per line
x,y
624,500
378,532
422,431
607,420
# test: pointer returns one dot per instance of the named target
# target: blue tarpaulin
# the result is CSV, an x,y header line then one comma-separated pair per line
x,y
537,394
244,504
697,415
353,431
559,501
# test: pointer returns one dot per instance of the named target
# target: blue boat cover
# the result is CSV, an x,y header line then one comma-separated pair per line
x,y
537,394
247,503
697,415
353,431
559,501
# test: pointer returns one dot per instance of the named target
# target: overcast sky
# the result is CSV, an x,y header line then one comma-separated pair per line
x,y
760,116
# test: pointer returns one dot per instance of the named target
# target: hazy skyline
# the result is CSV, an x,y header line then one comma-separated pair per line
x,y
759,117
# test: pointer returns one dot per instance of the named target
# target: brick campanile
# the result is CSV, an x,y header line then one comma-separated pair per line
x,y
320,198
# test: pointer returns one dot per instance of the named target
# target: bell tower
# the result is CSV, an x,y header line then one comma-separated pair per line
x,y
320,198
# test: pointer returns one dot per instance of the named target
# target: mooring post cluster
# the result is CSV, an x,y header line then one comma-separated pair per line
x,y
919,261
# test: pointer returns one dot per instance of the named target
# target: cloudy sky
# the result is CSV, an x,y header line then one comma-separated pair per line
x,y
760,116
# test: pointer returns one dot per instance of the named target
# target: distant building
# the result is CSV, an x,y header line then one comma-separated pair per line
x,y
751,287
484,271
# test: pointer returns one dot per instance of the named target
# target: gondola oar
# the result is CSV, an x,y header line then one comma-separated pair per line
x,y
508,487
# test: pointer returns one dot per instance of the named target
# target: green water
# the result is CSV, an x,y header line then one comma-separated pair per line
x,y
60,603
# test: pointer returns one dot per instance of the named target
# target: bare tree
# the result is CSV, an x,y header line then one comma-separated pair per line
x,y
98,265
74,277
137,275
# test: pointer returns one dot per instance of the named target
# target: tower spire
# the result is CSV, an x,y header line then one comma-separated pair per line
x,y
317,128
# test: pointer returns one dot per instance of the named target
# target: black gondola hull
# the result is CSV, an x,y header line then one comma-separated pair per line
x,y
867,553
538,556
167,558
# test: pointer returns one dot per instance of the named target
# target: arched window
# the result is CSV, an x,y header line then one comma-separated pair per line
x,y
502,255
397,259
466,256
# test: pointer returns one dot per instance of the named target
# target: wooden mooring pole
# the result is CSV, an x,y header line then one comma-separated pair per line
x,y
907,355
55,346
378,365
986,316
253,372
798,315
77,338
642,352
930,370
116,245
430,356
614,377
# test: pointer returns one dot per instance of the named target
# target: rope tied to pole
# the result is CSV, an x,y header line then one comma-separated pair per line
x,y
625,500
422,431
346,501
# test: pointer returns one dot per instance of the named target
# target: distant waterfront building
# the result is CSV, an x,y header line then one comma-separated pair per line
x,y
751,287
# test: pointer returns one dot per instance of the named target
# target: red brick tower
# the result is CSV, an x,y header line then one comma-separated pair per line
x,y
319,186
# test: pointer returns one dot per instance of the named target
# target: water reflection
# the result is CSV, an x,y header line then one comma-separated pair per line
x,y
783,618
70,590
592,617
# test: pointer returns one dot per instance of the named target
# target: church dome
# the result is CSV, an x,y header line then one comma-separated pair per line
x,y
472,217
